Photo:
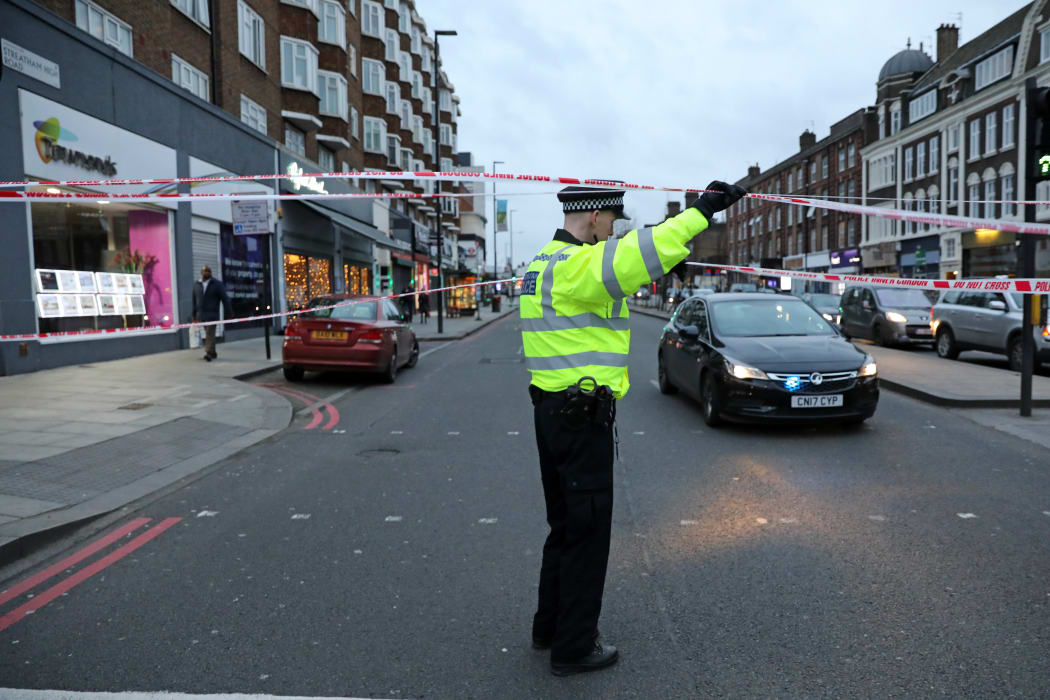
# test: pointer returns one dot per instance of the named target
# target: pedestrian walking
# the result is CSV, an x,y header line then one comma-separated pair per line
x,y
424,307
576,338
208,294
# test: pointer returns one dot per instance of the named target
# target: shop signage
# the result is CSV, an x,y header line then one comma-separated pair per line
x,y
28,63
881,255
250,217
307,183
845,258
794,262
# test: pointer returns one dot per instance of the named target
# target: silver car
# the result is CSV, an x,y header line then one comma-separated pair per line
x,y
988,321
889,316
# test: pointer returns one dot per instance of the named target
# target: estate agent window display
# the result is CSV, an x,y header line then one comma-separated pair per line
x,y
101,265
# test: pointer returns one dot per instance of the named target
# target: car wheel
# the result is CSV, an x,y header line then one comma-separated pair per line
x,y
1015,353
946,346
390,375
413,359
878,336
710,401
666,387
293,373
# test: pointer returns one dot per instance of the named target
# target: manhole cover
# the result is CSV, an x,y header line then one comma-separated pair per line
x,y
133,407
379,453
501,360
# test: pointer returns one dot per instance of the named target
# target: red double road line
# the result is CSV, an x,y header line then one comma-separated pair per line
x,y
83,574
309,400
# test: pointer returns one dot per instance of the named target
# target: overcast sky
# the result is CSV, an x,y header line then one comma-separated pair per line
x,y
665,92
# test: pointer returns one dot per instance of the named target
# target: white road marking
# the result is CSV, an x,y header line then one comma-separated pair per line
x,y
877,518
1046,512
513,432
238,397
339,432
966,516
639,432
453,432
689,522
788,521
397,432
488,521
23,694
358,551
654,383
761,521
439,347
393,518
207,514
301,516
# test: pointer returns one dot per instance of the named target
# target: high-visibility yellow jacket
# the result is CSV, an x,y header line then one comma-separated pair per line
x,y
573,314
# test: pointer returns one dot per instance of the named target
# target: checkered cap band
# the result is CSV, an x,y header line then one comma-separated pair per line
x,y
592,204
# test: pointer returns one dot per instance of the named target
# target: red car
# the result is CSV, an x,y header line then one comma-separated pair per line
x,y
369,335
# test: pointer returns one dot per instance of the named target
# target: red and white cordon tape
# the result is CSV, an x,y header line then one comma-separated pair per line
x,y
941,220
230,321
1024,286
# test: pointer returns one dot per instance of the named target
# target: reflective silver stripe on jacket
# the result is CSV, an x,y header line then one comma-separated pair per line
x,y
584,320
577,360
618,309
612,285
647,245
548,281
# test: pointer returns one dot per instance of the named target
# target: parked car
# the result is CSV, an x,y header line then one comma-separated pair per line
x,y
752,357
369,335
826,304
988,321
887,315
743,287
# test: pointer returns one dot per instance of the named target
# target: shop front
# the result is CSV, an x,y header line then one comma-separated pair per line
x,y
988,253
308,242
921,257
880,259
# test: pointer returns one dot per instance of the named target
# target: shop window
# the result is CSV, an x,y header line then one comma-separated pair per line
x,y
104,266
357,279
305,277
246,273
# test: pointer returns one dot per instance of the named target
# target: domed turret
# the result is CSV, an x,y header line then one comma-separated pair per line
x,y
906,62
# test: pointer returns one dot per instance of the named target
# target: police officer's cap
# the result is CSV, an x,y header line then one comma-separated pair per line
x,y
575,199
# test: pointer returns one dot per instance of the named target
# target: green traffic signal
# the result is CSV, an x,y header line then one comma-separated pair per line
x,y
1044,165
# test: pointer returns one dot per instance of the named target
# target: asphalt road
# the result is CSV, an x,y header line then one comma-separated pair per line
x,y
390,548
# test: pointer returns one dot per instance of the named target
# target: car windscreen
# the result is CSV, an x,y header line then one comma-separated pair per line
x,y
748,318
1018,299
824,299
902,298
355,311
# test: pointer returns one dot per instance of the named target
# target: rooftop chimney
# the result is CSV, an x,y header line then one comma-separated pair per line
x,y
947,41
674,208
690,198
754,170
806,140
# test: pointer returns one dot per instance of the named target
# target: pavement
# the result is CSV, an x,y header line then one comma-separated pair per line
x,y
81,441
976,380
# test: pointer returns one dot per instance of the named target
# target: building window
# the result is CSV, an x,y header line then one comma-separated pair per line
x,y
935,154
372,19
1008,194
294,140
352,4
852,151
1044,45
333,94
953,138
1008,126
791,183
989,194
851,231
426,59
850,194
1042,194
104,26
406,115
186,76
253,114
417,85
251,34
922,106
824,168
842,158
446,165
355,131
392,4
326,159
405,160
975,196
908,164
351,54
417,129
812,172
373,76
994,68
393,97
375,135
404,19
392,45
975,139
895,122
197,10
331,27
404,66
990,132
920,159
446,135
312,5
416,41
445,98
298,64
949,248
953,182
393,149
882,125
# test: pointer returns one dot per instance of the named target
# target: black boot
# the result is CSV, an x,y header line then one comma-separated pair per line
x,y
601,656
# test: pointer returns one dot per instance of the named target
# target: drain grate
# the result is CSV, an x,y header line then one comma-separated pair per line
x,y
134,406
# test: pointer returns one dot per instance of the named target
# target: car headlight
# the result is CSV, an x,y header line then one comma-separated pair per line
x,y
829,318
896,317
740,371
868,369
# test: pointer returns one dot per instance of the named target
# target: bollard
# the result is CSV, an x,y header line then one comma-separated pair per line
x,y
266,336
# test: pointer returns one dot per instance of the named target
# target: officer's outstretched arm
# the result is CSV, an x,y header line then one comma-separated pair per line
x,y
615,269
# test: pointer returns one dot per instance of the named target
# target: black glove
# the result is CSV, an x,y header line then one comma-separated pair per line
x,y
681,269
711,202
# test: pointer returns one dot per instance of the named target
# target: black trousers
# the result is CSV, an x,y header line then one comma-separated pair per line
x,y
576,467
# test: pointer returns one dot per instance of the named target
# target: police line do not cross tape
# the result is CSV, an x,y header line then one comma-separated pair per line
x,y
6,195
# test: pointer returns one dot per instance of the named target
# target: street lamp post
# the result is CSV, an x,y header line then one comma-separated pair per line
x,y
510,235
437,166
495,250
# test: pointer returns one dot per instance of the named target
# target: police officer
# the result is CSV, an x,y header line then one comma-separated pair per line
x,y
576,338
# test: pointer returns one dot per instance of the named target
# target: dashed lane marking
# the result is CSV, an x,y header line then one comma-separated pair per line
x,y
488,521
397,432
301,516
513,432
639,432
207,513
393,518
22,694
689,522
453,432
877,518
966,516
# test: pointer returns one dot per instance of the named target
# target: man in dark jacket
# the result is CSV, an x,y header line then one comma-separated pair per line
x,y
208,293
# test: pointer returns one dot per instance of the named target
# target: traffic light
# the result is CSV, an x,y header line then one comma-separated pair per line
x,y
1039,117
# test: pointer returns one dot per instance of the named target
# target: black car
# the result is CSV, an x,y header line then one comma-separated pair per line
x,y
750,357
